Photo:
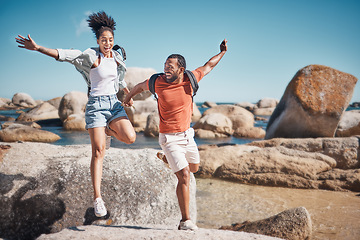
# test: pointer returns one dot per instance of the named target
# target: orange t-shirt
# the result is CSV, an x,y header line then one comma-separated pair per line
x,y
175,103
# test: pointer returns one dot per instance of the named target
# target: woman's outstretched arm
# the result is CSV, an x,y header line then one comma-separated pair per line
x,y
29,43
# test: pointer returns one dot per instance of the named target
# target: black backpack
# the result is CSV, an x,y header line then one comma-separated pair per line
x,y
193,81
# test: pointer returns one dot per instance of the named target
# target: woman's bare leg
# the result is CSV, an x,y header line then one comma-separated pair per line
x,y
122,129
97,137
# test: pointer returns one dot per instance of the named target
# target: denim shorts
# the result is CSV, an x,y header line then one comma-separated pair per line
x,y
101,110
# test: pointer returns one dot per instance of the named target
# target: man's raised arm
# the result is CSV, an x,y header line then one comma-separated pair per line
x,y
209,65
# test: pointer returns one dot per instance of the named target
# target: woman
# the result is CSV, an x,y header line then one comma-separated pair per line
x,y
104,70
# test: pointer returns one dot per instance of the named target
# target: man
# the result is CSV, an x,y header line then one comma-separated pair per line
x,y
176,138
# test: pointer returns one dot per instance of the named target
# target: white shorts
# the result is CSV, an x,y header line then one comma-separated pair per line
x,y
180,149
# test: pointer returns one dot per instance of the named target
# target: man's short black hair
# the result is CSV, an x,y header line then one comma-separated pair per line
x,y
181,60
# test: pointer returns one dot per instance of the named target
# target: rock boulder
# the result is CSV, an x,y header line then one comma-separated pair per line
x,y
23,100
292,224
72,103
312,104
48,188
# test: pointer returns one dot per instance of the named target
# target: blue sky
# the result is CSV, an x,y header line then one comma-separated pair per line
x,y
268,41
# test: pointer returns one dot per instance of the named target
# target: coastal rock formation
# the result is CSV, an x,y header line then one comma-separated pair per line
x,y
75,122
292,224
196,115
4,103
152,125
45,188
5,118
349,124
140,111
20,132
208,104
267,103
72,103
312,104
135,75
215,122
324,163
42,111
247,105
23,100
149,233
242,123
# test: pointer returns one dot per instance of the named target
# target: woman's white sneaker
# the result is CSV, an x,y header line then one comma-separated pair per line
x,y
187,225
99,208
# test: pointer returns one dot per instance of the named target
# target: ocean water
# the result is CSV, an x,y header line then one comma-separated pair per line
x,y
82,137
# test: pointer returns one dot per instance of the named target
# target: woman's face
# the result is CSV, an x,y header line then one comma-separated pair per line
x,y
106,43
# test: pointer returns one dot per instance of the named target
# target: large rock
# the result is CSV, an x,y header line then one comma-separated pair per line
x,y
4,103
72,103
20,132
140,111
310,163
267,103
23,100
149,233
41,112
241,123
133,76
196,115
292,224
312,104
240,117
152,125
75,122
349,124
46,188
345,151
215,122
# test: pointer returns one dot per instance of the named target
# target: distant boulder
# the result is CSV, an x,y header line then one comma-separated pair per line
x,y
225,120
208,104
19,132
247,105
349,124
41,112
72,103
267,103
75,122
215,122
290,224
135,75
23,100
140,111
152,125
312,104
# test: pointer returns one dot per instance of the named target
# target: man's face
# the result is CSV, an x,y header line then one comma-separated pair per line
x,y
172,69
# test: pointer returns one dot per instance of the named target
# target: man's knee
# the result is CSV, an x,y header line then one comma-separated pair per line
x,y
194,167
184,176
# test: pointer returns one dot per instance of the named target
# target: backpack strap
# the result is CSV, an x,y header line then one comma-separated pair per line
x,y
123,53
152,83
191,76
193,81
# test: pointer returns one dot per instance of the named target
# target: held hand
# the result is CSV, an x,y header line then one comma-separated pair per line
x,y
128,102
27,43
223,45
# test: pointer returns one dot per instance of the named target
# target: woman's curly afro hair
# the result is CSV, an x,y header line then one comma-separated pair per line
x,y
100,22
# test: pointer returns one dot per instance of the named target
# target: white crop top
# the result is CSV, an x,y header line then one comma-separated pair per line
x,y
103,77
